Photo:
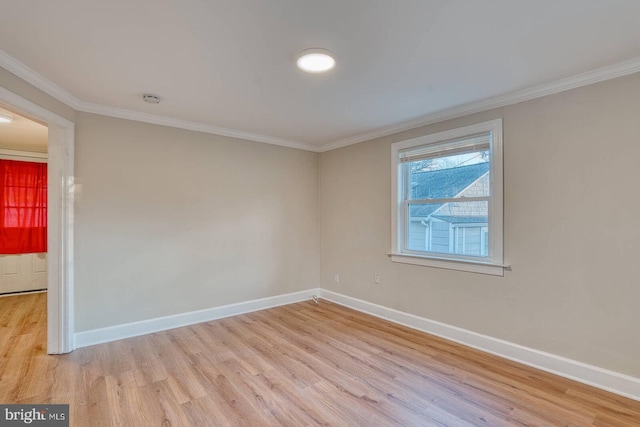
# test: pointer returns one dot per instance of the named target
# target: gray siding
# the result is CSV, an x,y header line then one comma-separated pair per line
x,y
417,236
440,236
471,238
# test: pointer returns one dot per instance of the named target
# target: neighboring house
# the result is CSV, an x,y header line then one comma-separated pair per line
x,y
454,227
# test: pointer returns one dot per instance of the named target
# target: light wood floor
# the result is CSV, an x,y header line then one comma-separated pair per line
x,y
296,365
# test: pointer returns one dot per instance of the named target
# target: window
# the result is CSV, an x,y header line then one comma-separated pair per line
x,y
23,207
447,199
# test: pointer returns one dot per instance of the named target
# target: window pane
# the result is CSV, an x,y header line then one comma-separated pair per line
x,y
458,175
449,228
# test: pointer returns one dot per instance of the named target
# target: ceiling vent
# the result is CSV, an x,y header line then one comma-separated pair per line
x,y
151,98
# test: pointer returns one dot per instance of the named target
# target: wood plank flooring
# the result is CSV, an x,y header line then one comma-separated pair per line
x,y
297,365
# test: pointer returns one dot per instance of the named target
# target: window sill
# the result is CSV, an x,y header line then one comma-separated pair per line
x,y
451,264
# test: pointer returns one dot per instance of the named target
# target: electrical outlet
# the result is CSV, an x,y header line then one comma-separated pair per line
x,y
336,278
376,279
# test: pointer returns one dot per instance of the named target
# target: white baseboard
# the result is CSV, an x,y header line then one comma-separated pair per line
x,y
614,382
143,327
15,294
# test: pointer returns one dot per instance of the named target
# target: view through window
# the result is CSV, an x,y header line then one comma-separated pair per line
x,y
448,197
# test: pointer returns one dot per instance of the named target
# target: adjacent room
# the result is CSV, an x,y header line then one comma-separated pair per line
x,y
23,233
357,213
23,170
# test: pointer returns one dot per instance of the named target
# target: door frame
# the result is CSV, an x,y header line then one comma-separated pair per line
x,y
60,323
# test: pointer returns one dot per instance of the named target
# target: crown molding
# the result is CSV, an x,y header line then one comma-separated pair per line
x,y
137,116
30,76
594,76
598,75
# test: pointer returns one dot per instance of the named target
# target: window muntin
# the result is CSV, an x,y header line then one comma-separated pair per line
x,y
448,195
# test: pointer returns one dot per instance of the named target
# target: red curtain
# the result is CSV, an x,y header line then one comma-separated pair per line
x,y
23,207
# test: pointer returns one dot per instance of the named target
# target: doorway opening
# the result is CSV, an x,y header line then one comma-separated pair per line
x,y
23,240
23,196
60,188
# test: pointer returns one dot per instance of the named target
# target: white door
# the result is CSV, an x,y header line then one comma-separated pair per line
x,y
24,272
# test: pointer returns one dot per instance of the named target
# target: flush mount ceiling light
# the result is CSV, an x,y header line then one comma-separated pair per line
x,y
6,118
315,61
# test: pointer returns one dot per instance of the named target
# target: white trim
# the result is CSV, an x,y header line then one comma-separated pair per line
x,y
17,294
614,382
61,230
590,77
399,253
137,116
25,156
594,76
30,76
143,327
60,220
19,153
605,379
28,108
451,264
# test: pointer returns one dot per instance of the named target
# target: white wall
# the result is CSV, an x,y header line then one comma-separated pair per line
x,y
571,230
170,221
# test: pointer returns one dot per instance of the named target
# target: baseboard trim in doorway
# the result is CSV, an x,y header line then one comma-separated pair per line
x,y
12,294
604,379
143,327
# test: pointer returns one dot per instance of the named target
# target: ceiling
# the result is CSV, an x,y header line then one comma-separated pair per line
x,y
228,66
22,134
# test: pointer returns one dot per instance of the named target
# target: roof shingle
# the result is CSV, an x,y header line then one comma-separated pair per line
x,y
442,184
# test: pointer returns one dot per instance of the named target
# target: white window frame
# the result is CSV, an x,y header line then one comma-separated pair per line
x,y
492,264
